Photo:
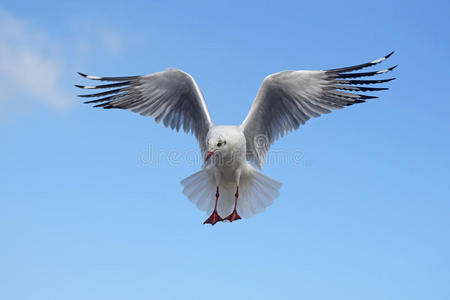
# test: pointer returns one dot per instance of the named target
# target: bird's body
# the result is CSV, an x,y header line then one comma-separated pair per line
x,y
228,186
228,169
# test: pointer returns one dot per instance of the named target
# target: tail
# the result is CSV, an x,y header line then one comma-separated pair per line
x,y
200,188
256,192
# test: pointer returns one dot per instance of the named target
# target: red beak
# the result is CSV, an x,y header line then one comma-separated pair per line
x,y
210,153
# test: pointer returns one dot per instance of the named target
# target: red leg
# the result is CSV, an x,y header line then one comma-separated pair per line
x,y
234,215
214,218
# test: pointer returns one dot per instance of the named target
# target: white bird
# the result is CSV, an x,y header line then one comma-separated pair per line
x,y
228,187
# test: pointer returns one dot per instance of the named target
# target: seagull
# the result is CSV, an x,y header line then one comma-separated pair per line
x,y
229,184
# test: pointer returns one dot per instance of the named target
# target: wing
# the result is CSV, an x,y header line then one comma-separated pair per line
x,y
171,96
288,99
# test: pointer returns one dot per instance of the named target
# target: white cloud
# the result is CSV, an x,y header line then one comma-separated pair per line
x,y
111,41
30,69
93,37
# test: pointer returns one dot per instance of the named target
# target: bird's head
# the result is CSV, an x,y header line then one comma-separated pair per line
x,y
216,144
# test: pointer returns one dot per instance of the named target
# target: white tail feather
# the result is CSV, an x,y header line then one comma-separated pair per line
x,y
256,192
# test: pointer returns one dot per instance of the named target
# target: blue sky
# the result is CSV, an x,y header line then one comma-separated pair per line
x,y
85,214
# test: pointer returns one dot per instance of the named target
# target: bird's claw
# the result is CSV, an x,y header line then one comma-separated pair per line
x,y
233,216
213,219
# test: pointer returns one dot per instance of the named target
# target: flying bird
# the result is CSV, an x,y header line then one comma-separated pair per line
x,y
229,185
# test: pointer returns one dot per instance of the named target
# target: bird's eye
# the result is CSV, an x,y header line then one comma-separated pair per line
x,y
219,144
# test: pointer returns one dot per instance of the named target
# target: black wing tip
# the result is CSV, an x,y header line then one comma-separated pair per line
x,y
373,89
386,80
367,97
106,105
387,56
360,66
89,102
363,74
356,101
123,78
79,86
392,68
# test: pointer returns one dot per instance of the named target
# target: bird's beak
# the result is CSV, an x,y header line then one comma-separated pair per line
x,y
208,155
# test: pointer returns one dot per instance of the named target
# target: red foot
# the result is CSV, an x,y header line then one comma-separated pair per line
x,y
233,217
213,219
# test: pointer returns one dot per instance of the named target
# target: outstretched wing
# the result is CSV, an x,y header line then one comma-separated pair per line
x,y
171,96
288,99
